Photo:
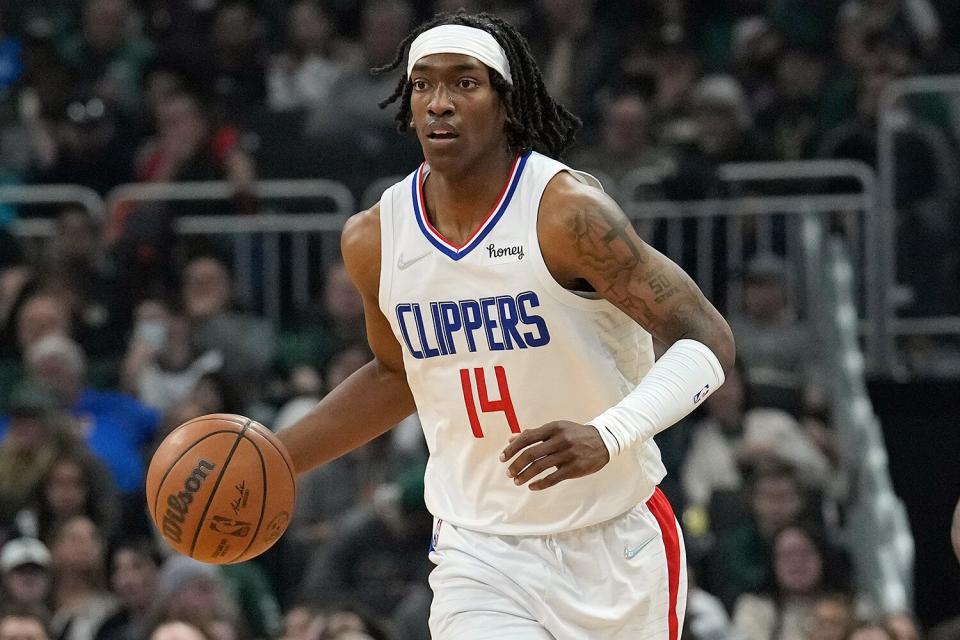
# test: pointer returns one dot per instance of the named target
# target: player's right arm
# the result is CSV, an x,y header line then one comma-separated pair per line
x,y
377,396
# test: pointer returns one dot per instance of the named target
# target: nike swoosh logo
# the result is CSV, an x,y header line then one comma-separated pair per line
x,y
631,553
403,265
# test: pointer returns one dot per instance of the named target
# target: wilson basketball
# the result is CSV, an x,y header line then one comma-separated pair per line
x,y
221,488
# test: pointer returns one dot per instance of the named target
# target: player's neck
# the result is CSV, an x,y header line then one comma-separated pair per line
x,y
458,202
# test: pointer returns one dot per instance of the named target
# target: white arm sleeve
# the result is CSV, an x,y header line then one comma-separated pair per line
x,y
684,375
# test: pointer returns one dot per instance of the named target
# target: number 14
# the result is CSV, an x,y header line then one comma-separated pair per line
x,y
504,404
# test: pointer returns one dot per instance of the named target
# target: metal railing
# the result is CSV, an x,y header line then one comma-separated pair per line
x,y
267,226
764,212
35,194
890,327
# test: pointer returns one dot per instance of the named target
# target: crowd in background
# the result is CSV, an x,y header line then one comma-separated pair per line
x,y
113,332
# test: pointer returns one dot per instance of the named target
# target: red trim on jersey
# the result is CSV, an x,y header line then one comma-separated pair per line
x,y
426,219
663,512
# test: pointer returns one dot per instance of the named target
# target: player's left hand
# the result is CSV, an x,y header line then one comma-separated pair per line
x,y
575,450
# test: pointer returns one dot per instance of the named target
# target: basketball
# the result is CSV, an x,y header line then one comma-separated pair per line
x,y
221,488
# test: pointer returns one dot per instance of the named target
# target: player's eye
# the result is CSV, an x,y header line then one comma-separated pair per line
x,y
467,83
419,85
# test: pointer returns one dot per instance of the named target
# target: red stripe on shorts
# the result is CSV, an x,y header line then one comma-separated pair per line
x,y
663,512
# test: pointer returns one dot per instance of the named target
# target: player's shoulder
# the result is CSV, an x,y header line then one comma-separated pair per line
x,y
360,245
568,195
363,226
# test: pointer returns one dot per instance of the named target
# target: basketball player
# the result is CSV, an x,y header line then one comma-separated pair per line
x,y
511,304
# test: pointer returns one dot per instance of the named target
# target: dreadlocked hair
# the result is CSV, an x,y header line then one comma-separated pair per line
x,y
534,119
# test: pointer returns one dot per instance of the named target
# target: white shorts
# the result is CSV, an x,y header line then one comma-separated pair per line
x,y
624,578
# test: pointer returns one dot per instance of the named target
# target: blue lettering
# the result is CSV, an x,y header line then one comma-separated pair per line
x,y
489,323
542,336
428,351
472,320
452,322
435,312
507,322
401,309
507,307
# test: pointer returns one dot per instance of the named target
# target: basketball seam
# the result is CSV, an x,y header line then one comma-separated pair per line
x,y
263,503
216,485
174,464
283,454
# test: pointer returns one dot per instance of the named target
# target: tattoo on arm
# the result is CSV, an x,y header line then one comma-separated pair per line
x,y
631,275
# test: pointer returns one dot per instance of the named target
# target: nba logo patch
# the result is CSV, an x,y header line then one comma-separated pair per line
x,y
436,535
701,394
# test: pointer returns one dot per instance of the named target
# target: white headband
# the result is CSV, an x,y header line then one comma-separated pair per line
x,y
456,38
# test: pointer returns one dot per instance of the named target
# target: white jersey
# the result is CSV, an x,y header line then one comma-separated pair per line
x,y
492,344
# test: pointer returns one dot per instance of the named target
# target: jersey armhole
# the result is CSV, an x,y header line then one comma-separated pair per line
x,y
386,249
560,293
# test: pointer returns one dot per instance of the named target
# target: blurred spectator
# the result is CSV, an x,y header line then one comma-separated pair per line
x,y
306,388
25,568
803,567
10,65
377,554
337,322
187,146
80,273
926,192
134,568
755,48
674,69
76,484
574,51
778,350
870,630
237,56
303,73
831,617
81,599
723,121
88,142
790,121
740,560
903,625
245,340
23,623
351,113
251,590
42,314
161,366
705,617
350,622
328,492
212,393
15,278
115,427
175,26
735,435
37,432
302,621
196,593
178,631
917,19
626,140
108,55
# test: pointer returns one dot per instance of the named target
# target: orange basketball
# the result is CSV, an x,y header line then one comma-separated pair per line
x,y
221,488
